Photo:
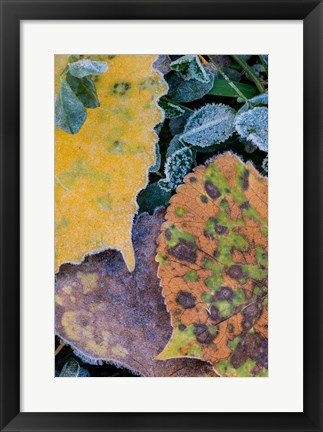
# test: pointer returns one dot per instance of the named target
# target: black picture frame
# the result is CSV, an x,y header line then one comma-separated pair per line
x,y
12,12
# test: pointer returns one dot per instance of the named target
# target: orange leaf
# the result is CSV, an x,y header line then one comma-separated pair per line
x,y
213,267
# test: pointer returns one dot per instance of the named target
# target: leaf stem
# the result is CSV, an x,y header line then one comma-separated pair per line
x,y
59,348
177,104
203,60
225,76
249,72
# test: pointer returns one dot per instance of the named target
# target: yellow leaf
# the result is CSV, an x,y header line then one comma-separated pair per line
x,y
60,63
100,170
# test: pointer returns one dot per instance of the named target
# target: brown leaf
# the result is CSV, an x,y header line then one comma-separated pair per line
x,y
107,313
213,267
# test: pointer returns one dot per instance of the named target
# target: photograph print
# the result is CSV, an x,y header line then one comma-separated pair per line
x,y
161,215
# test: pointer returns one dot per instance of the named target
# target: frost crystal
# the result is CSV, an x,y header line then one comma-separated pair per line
x,y
260,99
253,126
264,165
176,168
171,110
191,67
84,68
211,124
174,145
70,113
156,167
187,91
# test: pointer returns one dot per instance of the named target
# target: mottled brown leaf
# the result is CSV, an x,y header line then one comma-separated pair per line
x,y
107,313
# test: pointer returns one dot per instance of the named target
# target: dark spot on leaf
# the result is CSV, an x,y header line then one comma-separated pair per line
x,y
193,179
245,180
256,370
251,311
202,334
147,83
247,325
245,205
220,229
184,251
215,253
186,299
208,234
200,328
182,327
225,293
214,314
168,234
252,346
117,147
235,272
203,199
211,190
121,88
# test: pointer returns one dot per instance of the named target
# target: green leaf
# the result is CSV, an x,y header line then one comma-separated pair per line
x,y
245,57
84,373
265,58
187,91
259,70
70,369
190,67
176,168
176,125
253,126
174,145
70,113
222,88
84,68
153,197
264,165
211,124
261,99
171,110
244,108
84,89
232,74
